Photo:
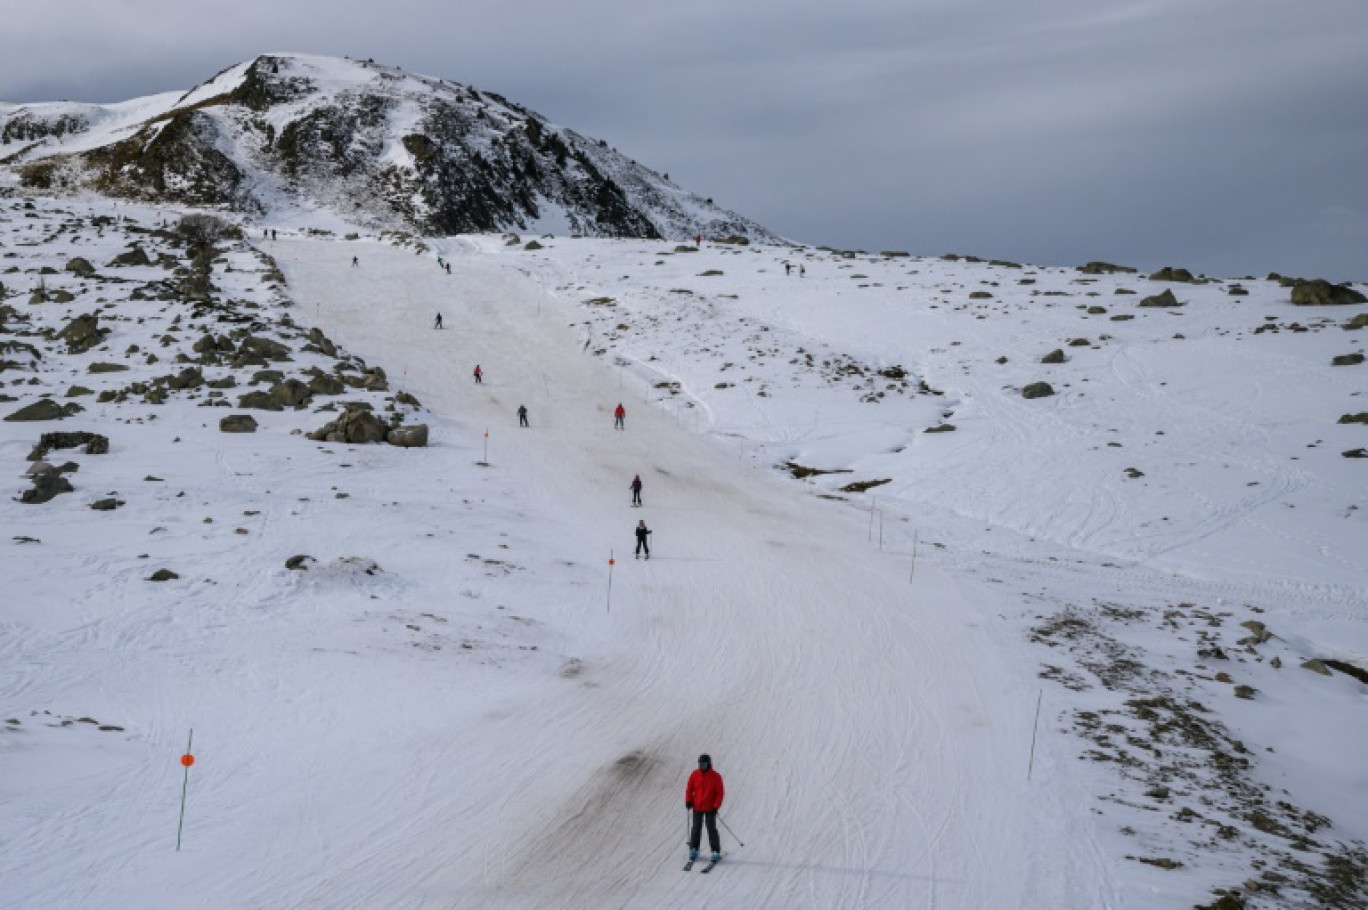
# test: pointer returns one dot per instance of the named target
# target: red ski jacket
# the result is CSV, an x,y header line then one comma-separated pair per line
x,y
704,791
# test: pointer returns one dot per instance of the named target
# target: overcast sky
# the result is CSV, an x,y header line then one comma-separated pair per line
x,y
1225,136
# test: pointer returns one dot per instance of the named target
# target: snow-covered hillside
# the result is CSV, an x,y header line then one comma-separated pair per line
x,y
950,646
296,139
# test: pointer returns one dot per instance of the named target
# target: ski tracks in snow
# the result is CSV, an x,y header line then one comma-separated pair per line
x,y
868,764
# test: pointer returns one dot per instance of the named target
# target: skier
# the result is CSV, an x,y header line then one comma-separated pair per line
x,y
642,532
703,797
479,375
636,490
698,239
788,268
448,268
439,262
522,415
437,323
619,415
355,261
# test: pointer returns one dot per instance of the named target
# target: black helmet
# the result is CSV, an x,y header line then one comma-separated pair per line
x,y
705,760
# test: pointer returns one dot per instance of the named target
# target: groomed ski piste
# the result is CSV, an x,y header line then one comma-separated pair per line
x,y
461,702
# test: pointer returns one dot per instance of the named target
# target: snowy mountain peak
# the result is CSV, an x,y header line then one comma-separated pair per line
x,y
285,135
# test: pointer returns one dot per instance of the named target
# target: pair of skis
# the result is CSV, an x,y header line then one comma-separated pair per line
x,y
706,869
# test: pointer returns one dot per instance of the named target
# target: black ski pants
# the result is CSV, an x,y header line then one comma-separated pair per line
x,y
696,834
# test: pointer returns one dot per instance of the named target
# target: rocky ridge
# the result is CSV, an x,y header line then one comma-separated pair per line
x,y
380,147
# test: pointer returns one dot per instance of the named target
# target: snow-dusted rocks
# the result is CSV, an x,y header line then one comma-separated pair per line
x,y
408,437
44,409
356,425
1319,292
238,423
284,134
48,482
82,333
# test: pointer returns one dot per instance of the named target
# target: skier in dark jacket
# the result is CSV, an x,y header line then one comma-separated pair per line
x,y
522,415
703,797
636,490
642,532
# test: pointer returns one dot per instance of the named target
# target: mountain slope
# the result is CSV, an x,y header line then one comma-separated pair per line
x,y
380,147
977,667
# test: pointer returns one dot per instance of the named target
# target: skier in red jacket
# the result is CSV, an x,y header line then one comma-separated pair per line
x,y
703,797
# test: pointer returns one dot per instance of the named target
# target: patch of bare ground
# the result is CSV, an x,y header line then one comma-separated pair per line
x,y
1194,787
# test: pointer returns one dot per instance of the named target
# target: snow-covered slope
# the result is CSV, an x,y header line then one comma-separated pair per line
x,y
1051,657
284,135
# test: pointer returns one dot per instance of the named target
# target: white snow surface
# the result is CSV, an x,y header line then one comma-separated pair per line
x,y
474,696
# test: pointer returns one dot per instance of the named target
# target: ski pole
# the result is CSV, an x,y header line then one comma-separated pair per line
x,y
729,830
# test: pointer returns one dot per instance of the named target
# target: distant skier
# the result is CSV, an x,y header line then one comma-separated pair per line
x,y
698,239
440,264
522,415
448,268
703,797
636,490
437,323
479,375
788,268
619,415
642,532
355,261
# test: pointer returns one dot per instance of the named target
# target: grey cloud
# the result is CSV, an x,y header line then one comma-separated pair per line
x,y
1224,135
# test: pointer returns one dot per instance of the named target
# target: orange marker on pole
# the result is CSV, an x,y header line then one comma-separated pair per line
x,y
611,562
187,760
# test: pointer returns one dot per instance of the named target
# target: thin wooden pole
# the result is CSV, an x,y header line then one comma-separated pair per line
x,y
610,580
185,784
913,573
1034,728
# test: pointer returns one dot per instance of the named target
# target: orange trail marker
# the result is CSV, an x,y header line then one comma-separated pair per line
x,y
186,760
611,562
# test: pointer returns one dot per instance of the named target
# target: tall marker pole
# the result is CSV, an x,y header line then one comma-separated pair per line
x,y
611,561
187,760
1034,727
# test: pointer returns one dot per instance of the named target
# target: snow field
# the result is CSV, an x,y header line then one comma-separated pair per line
x,y
448,708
